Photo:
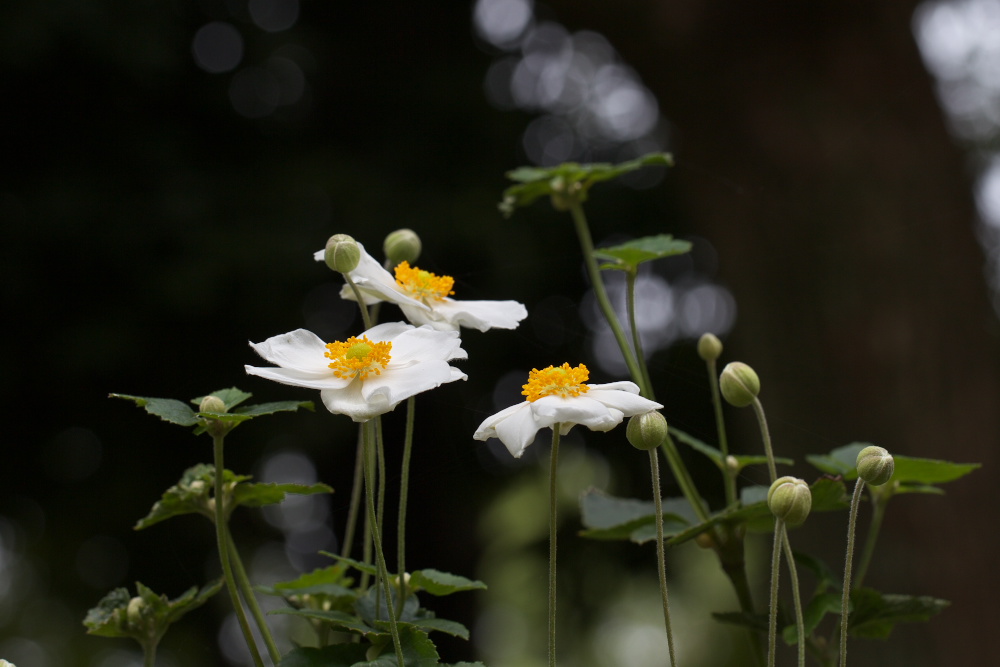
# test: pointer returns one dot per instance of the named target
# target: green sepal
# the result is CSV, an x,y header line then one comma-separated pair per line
x,y
629,255
874,615
569,177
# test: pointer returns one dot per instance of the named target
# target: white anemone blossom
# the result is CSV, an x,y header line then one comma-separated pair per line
x,y
364,376
425,297
559,395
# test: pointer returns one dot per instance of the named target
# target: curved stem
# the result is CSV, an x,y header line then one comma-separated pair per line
x,y
352,511
246,589
683,478
800,625
728,474
766,437
223,546
404,490
845,600
772,623
553,529
878,513
383,575
594,273
661,565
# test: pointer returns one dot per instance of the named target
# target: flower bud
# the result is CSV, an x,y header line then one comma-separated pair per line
x,y
342,253
790,500
739,384
875,465
705,540
709,347
134,612
647,431
402,245
212,404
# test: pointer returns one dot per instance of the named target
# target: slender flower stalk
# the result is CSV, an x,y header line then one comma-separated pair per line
x,y
553,529
246,589
765,436
845,600
594,273
630,277
355,503
661,566
868,550
404,490
223,545
684,479
800,625
709,349
772,623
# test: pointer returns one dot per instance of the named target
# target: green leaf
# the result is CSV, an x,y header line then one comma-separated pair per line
x,y
329,581
829,494
453,628
812,615
910,470
442,583
629,255
717,456
107,619
335,655
191,495
418,650
269,493
568,179
230,397
875,614
356,564
167,409
338,619
758,622
840,461
608,518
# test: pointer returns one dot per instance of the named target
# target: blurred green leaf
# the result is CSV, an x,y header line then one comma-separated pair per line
x,y
335,655
717,456
875,614
258,494
606,517
442,583
629,255
812,615
910,470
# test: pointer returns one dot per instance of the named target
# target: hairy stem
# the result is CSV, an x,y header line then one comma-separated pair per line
x,y
845,601
661,563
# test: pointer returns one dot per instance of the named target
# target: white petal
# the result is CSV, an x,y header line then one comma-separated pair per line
x,y
300,350
419,344
298,378
482,315
388,331
349,401
582,410
515,427
427,317
625,401
398,384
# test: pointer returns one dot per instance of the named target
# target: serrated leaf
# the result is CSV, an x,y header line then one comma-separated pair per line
x,y
840,461
929,471
259,494
330,581
440,583
168,409
453,628
418,650
829,494
875,614
107,617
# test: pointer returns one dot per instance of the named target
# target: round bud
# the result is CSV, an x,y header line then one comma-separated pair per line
x,y
212,404
733,463
790,500
875,465
709,347
739,384
647,431
705,540
134,612
402,245
342,253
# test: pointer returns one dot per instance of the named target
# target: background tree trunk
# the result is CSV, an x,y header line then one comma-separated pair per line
x,y
811,151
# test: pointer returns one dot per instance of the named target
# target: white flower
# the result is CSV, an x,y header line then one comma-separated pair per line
x,y
425,298
367,375
559,395
4,663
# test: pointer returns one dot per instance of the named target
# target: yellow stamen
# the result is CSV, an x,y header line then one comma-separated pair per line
x,y
423,284
564,381
358,357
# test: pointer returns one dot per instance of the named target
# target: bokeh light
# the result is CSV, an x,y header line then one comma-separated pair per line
x,y
217,47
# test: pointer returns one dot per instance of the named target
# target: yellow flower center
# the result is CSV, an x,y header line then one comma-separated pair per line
x,y
423,284
358,357
564,381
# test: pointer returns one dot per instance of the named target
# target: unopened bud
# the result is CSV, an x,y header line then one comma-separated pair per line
x,y
875,465
790,500
709,347
739,384
342,253
212,404
402,245
134,612
705,540
647,431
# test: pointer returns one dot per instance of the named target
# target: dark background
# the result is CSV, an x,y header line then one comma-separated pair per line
x,y
151,231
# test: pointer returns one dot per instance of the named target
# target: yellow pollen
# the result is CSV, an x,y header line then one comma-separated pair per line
x,y
564,381
423,284
358,357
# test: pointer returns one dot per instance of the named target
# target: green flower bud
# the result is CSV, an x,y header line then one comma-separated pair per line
x,y
790,500
342,253
709,347
402,245
212,404
875,465
739,384
647,431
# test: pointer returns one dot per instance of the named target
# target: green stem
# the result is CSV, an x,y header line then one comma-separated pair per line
x,y
683,478
772,623
630,277
361,301
404,490
383,574
878,513
352,511
149,655
246,589
845,600
800,625
729,548
661,561
728,474
553,527
223,546
594,273
765,435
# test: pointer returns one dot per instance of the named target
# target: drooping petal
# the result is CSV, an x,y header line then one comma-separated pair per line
x,y
482,315
581,410
514,426
621,398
